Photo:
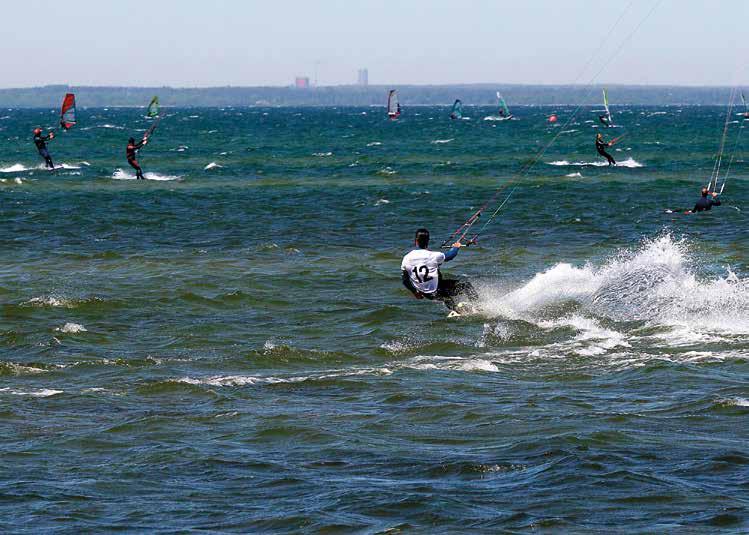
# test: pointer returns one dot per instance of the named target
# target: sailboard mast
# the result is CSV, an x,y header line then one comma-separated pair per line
x,y
153,108
154,112
394,107
504,111
68,112
606,105
457,111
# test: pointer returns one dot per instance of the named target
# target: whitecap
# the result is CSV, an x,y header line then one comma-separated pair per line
x,y
120,174
43,393
629,162
15,168
72,328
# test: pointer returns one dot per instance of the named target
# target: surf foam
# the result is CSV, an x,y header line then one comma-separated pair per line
x,y
629,162
120,174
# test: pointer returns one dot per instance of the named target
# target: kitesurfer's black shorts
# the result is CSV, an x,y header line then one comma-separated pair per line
x,y
450,289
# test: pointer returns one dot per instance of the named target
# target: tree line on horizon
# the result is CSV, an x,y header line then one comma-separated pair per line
x,y
434,95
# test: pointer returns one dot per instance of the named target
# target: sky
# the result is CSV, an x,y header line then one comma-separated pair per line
x,y
199,43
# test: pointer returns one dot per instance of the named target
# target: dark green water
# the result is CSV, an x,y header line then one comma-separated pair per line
x,y
230,349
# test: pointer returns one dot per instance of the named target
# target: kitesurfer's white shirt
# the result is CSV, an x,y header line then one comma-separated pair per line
x,y
423,267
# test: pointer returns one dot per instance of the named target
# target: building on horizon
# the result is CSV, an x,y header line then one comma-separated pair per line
x,y
363,77
301,82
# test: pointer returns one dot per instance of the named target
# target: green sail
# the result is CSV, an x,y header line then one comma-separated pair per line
x,y
457,111
153,108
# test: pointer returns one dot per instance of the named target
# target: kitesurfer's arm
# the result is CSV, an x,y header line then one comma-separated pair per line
x,y
453,252
408,284
140,144
715,199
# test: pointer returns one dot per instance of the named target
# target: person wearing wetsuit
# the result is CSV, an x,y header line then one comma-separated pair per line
x,y
420,272
604,119
706,202
132,150
601,148
41,145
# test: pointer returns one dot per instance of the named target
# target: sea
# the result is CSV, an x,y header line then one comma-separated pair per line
x,y
227,346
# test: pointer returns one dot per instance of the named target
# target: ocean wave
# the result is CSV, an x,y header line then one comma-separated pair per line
x,y
419,362
42,393
442,141
212,165
652,285
12,368
20,168
71,328
15,168
629,162
387,171
243,380
120,174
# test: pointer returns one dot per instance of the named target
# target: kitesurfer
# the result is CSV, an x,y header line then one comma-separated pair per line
x,y
40,141
420,271
132,149
601,148
706,201
604,119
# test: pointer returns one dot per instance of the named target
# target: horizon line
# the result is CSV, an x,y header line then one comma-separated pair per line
x,y
313,87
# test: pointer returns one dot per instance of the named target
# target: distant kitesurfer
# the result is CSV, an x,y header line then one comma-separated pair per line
x,y
601,148
604,119
420,271
40,141
706,201
132,149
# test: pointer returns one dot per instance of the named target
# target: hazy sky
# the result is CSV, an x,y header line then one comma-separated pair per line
x,y
249,42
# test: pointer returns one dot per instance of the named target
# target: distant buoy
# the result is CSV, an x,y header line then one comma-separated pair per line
x,y
553,118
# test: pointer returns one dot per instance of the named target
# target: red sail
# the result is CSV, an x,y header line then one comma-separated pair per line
x,y
67,114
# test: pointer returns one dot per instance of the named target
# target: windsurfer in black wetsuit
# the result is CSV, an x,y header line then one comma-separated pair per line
x,y
132,149
41,145
706,202
601,148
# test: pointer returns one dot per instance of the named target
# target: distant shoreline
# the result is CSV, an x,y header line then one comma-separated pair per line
x,y
374,95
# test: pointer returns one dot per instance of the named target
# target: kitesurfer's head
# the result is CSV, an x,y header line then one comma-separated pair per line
x,y
422,238
599,135
131,141
37,131
705,192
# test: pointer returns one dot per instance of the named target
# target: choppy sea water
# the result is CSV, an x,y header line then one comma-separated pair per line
x,y
227,346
